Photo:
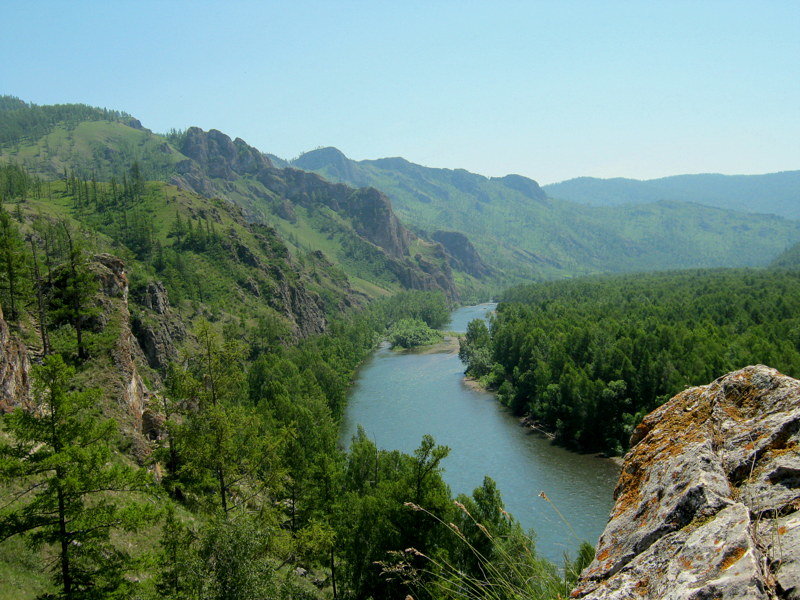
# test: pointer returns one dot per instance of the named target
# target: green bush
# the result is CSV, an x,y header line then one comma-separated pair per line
x,y
410,333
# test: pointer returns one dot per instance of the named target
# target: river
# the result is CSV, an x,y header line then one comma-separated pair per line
x,y
399,397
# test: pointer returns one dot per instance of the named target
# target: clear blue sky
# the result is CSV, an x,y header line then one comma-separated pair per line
x,y
551,90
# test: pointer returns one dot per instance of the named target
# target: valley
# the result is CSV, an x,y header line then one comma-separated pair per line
x,y
221,315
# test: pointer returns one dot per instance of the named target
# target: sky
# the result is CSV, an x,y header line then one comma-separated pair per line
x,y
551,90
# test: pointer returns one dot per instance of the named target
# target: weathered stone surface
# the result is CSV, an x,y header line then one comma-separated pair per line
x,y
157,329
110,272
14,369
155,297
781,537
700,500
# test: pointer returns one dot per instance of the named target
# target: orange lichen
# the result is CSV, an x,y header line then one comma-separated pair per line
x,y
642,587
732,557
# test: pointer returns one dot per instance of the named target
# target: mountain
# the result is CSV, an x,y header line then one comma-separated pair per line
x,y
517,228
773,193
788,259
356,229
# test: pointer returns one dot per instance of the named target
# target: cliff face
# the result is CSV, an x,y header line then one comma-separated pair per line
x,y
461,254
14,368
708,502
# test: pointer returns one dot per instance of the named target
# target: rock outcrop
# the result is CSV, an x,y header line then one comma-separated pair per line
x,y
461,254
708,502
14,369
156,327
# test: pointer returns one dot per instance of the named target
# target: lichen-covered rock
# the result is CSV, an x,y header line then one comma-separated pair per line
x,y
702,502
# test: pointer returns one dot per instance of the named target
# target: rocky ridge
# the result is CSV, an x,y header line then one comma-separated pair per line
x,y
218,166
708,502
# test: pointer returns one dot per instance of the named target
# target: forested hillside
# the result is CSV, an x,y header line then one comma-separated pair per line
x,y
586,359
516,227
772,193
355,229
173,409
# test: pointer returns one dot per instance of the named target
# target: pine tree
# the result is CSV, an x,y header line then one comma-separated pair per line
x,y
72,495
79,287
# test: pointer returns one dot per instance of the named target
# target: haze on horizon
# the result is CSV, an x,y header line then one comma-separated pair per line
x,y
550,90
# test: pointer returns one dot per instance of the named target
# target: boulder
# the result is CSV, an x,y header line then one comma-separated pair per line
x,y
707,502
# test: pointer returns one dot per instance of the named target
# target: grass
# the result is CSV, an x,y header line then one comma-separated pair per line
x,y
22,572
512,571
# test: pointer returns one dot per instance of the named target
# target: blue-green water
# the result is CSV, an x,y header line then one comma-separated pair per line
x,y
400,397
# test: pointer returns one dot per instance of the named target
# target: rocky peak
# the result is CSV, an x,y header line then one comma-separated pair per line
x,y
219,156
708,502
523,185
374,218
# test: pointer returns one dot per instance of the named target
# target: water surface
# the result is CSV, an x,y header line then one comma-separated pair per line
x,y
400,397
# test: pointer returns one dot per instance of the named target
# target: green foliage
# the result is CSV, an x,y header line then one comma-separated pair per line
x,y
588,358
430,307
72,495
410,333
21,120
474,349
14,279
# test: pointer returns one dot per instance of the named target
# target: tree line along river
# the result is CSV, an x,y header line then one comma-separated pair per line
x,y
399,397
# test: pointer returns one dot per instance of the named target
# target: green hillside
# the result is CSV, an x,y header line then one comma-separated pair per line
x,y
788,259
516,227
773,193
354,229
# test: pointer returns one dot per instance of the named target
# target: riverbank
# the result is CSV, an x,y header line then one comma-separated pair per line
x,y
526,422
400,396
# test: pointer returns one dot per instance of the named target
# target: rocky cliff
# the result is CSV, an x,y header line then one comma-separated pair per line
x,y
708,502
14,368
219,166
461,254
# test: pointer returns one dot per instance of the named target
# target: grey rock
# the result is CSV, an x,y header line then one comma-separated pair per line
x,y
707,499
15,367
782,539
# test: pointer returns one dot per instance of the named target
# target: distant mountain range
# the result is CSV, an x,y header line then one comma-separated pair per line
x,y
517,227
418,227
773,193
